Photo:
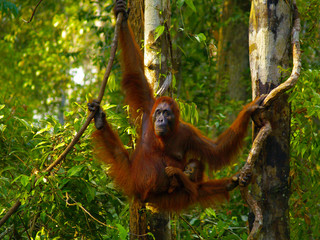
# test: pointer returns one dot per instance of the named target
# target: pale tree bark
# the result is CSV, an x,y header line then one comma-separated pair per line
x,y
157,52
269,48
233,49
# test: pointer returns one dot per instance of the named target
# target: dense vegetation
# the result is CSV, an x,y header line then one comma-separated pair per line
x,y
51,67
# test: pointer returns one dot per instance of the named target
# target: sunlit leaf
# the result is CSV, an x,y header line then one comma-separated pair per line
x,y
122,232
75,170
159,31
191,5
24,180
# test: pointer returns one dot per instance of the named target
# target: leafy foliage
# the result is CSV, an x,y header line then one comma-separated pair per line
x,y
305,165
7,8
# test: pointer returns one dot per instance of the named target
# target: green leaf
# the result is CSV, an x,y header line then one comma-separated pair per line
x,y
122,231
43,144
159,31
43,216
91,193
25,123
174,81
200,37
24,180
211,212
47,128
112,85
180,3
191,5
60,145
3,127
74,170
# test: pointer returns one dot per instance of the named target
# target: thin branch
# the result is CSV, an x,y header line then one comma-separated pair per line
x,y
192,228
24,226
33,12
112,55
88,121
11,211
256,148
247,170
258,218
84,210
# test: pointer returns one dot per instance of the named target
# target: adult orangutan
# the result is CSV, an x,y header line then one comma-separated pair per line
x,y
158,170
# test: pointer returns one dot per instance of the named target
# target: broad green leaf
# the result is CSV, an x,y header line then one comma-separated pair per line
x,y
191,5
122,232
200,37
159,31
180,3
74,170
91,193
211,212
24,180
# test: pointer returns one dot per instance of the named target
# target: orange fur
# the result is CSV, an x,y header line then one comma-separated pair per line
x,y
143,173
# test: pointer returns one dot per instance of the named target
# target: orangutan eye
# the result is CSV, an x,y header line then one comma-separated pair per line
x,y
157,112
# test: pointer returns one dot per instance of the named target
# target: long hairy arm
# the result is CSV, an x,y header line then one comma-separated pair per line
x,y
220,152
134,83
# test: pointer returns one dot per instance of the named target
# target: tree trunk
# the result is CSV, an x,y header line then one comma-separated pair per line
x,y
138,217
233,49
269,44
136,18
144,219
156,55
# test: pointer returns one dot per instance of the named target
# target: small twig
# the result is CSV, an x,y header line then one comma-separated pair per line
x,y
112,55
33,12
85,210
24,226
139,235
192,228
88,121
